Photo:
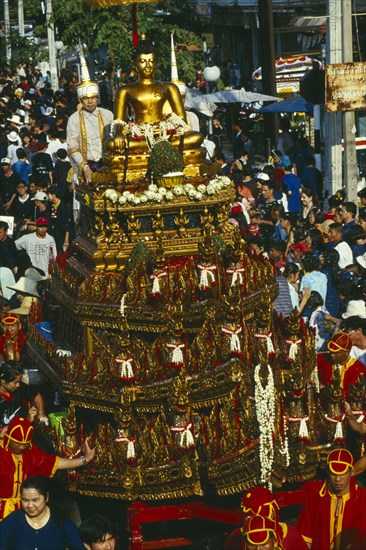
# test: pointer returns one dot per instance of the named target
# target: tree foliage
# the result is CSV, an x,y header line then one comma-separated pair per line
x,y
111,29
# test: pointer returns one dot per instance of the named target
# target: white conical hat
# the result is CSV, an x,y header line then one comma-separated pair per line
x,y
87,88
174,69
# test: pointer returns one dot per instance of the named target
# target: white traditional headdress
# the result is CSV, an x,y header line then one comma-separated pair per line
x,y
87,88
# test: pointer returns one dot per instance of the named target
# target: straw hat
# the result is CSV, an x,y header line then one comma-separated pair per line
x,y
26,286
26,304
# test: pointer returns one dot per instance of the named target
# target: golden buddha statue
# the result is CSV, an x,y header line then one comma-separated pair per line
x,y
149,100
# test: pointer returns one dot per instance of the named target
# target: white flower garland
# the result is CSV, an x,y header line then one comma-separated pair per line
x,y
285,448
153,132
159,194
265,411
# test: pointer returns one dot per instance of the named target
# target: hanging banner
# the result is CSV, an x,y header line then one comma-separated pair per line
x,y
345,87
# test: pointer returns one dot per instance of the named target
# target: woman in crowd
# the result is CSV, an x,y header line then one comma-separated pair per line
x,y
309,201
38,525
17,398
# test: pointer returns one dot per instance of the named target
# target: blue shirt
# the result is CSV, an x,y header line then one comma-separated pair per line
x,y
17,534
23,169
293,184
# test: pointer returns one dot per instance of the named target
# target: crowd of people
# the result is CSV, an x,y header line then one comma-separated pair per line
x,y
317,247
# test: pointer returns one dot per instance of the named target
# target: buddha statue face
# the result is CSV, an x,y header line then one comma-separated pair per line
x,y
145,64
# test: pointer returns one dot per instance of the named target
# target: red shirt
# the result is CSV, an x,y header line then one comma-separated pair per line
x,y
329,521
349,373
33,462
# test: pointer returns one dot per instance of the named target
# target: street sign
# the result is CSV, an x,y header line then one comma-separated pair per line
x,y
345,87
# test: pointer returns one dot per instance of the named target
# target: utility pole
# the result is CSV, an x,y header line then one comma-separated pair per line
x,y
7,31
349,128
51,45
267,49
21,17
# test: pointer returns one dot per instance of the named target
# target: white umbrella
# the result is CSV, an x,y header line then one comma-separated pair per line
x,y
196,100
239,96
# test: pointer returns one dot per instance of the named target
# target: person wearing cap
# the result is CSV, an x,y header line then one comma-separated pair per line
x,y
20,458
334,513
12,340
14,143
259,533
40,246
338,357
41,209
256,502
87,128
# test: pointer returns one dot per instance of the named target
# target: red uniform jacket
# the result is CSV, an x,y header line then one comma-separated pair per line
x,y
350,371
319,524
13,472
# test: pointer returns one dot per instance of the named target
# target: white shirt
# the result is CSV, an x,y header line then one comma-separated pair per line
x,y
94,143
359,354
345,254
40,250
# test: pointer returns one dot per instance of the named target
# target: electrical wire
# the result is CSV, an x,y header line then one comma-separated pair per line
x,y
356,29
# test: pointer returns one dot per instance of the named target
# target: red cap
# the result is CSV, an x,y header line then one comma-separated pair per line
x,y
10,319
41,221
301,247
339,461
41,146
19,430
258,529
340,342
260,500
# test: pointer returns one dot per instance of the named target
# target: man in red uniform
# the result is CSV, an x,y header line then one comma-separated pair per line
x,y
339,347
334,514
20,459
260,533
259,501
13,339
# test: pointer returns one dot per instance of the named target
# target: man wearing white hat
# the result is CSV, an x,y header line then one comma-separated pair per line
x,y
14,143
86,128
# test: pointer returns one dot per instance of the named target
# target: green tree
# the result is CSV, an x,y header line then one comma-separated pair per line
x,y
111,27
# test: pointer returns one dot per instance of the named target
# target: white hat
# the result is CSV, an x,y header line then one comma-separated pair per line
x,y
13,136
25,306
27,102
26,286
34,274
261,176
87,88
362,260
17,120
40,196
355,307
5,160
4,99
